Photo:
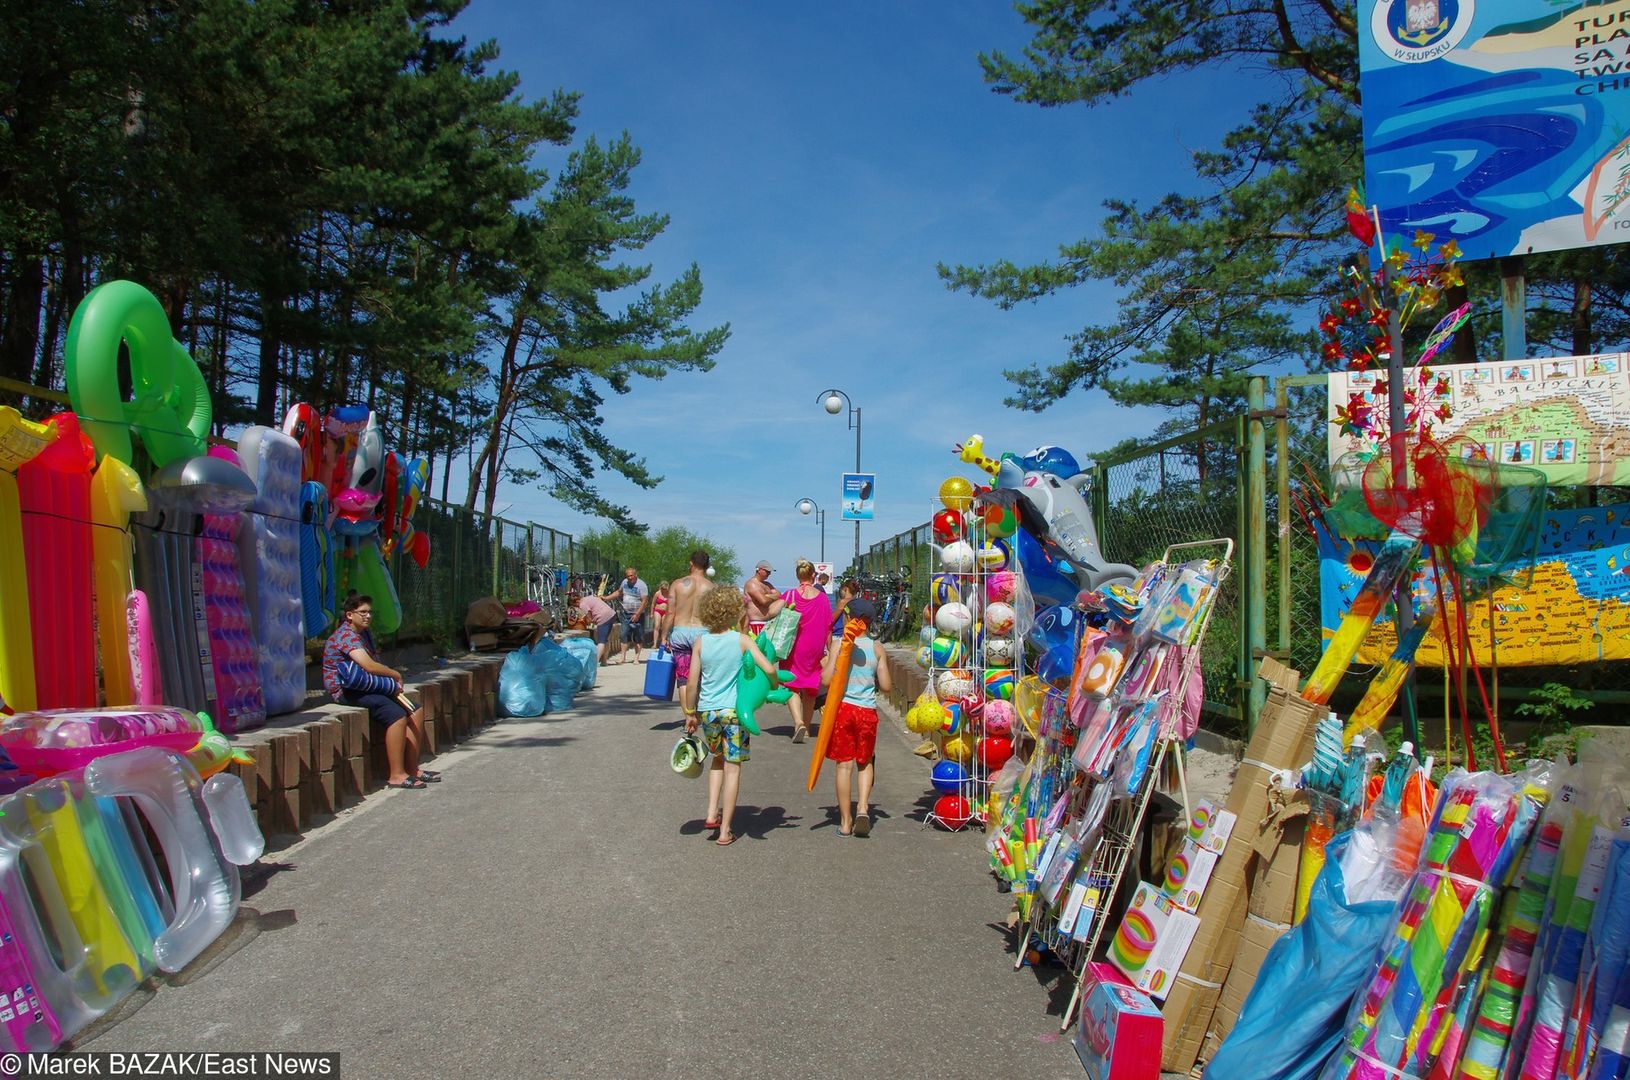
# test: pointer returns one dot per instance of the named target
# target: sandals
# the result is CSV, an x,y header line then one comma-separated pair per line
x,y
722,842
863,825
412,783
710,825
800,735
429,777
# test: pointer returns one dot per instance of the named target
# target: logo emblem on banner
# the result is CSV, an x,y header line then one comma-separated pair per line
x,y
1413,31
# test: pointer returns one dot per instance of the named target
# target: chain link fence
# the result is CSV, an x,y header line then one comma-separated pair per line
x,y
1185,490
473,555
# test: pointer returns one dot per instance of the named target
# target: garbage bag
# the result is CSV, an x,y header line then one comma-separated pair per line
x,y
522,688
562,674
583,649
1310,976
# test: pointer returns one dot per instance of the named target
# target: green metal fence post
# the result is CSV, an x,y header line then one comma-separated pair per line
x,y
1255,551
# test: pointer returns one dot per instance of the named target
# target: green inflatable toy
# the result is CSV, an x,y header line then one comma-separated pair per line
x,y
171,411
753,687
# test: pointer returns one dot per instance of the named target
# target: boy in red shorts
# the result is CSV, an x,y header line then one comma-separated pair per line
x,y
854,732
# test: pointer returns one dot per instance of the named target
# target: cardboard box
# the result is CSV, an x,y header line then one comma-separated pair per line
x,y
1188,874
1277,865
1154,936
1283,740
1118,1034
483,641
1187,1014
1255,939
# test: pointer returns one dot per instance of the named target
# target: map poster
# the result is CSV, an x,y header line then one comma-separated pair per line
x,y
1574,610
1568,416
1500,124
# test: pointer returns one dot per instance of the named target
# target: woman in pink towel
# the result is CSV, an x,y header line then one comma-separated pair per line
x,y
809,649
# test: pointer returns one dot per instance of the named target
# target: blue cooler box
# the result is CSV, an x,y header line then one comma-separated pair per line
x,y
659,676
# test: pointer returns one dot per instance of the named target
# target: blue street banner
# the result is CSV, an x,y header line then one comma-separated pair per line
x,y
859,496
1502,125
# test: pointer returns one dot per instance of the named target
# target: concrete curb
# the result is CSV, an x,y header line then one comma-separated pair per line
x,y
310,765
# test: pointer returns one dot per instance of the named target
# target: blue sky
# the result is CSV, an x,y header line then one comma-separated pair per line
x,y
817,161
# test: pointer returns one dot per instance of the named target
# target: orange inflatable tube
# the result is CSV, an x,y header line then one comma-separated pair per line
x,y
834,696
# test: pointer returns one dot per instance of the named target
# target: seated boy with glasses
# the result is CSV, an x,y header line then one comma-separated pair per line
x,y
353,675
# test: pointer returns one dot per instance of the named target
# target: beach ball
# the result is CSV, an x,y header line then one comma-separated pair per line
x,y
925,657
925,718
999,717
946,651
1000,586
943,589
994,750
948,525
1000,521
999,684
999,617
996,554
953,619
952,811
954,684
957,748
1000,651
951,716
957,493
948,776
958,557
926,634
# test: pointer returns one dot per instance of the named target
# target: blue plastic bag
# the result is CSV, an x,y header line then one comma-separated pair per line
x,y
562,675
1296,1012
521,689
584,650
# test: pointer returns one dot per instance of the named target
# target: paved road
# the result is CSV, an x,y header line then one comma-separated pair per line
x,y
553,909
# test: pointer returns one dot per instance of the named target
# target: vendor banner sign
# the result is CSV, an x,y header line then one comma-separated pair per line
x,y
1568,416
1575,610
1500,125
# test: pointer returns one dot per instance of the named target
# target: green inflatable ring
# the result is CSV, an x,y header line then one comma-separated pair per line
x,y
171,411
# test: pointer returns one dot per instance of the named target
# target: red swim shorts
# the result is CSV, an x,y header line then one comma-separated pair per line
x,y
854,734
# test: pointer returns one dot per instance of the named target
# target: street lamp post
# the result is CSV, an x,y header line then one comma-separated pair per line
x,y
835,401
810,506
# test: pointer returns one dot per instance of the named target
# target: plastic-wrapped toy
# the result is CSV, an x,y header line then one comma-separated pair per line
x,y
58,740
753,687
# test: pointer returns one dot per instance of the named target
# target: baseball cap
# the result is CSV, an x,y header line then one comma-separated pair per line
x,y
860,609
764,564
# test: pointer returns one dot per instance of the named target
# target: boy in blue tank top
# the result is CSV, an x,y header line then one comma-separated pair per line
x,y
854,731
710,700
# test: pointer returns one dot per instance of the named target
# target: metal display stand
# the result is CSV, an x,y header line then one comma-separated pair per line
x,y
975,788
1116,836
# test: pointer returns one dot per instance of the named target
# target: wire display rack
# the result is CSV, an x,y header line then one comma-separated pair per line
x,y
1069,913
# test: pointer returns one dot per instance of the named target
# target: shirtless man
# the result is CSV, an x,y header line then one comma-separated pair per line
x,y
762,600
682,625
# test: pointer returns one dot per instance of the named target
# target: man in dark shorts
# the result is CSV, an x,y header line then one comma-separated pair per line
x,y
403,727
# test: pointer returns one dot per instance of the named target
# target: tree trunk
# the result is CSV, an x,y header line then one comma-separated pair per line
x,y
1581,318
1465,346
21,342
55,301
271,343
488,460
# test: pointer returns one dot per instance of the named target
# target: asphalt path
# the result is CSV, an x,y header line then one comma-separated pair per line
x,y
555,909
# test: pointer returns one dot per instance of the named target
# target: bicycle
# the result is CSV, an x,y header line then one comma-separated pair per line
x,y
546,587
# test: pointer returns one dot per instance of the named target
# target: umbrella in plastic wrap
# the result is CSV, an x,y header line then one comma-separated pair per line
x,y
1607,947
1481,825
1490,1037
1579,882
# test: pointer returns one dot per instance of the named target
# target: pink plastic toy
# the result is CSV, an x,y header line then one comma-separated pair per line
x,y
58,740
